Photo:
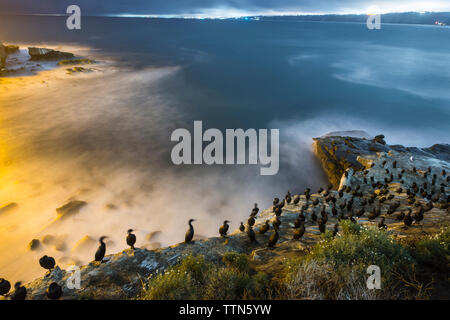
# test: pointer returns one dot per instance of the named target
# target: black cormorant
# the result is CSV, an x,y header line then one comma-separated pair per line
x,y
278,211
273,237
322,225
190,233
224,228
418,215
335,230
264,228
100,253
275,201
242,227
381,224
408,220
54,291
20,292
5,286
255,210
276,222
131,238
251,221
251,234
47,262
313,216
298,233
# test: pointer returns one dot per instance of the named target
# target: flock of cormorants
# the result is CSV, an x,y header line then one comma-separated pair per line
x,y
341,204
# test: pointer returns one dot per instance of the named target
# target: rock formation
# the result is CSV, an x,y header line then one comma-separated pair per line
x,y
2,56
48,54
121,275
338,153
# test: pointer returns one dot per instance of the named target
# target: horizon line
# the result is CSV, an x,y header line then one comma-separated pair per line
x,y
204,16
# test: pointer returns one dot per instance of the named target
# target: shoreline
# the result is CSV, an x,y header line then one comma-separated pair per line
x,y
142,263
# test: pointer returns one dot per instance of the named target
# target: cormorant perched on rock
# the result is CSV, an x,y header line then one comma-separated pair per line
x,y
342,216
301,216
322,225
100,253
401,215
418,215
190,233
350,216
278,211
314,216
54,291
255,210
360,213
428,206
324,215
381,224
265,227
276,222
47,262
298,233
288,199
20,292
131,238
343,205
251,221
334,210
251,234
275,201
296,199
224,228
242,227
335,230
298,223
375,213
408,220
5,286
273,238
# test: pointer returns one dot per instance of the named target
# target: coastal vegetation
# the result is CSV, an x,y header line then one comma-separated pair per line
x,y
334,268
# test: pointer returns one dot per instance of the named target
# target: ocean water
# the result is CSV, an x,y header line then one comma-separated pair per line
x,y
105,137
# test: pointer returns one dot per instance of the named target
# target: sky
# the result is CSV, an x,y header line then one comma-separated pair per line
x,y
219,8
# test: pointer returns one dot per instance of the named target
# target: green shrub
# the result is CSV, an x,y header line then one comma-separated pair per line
x,y
238,261
227,284
193,279
361,246
434,251
335,268
173,285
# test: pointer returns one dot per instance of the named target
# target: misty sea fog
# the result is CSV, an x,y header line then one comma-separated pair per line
x,y
104,138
